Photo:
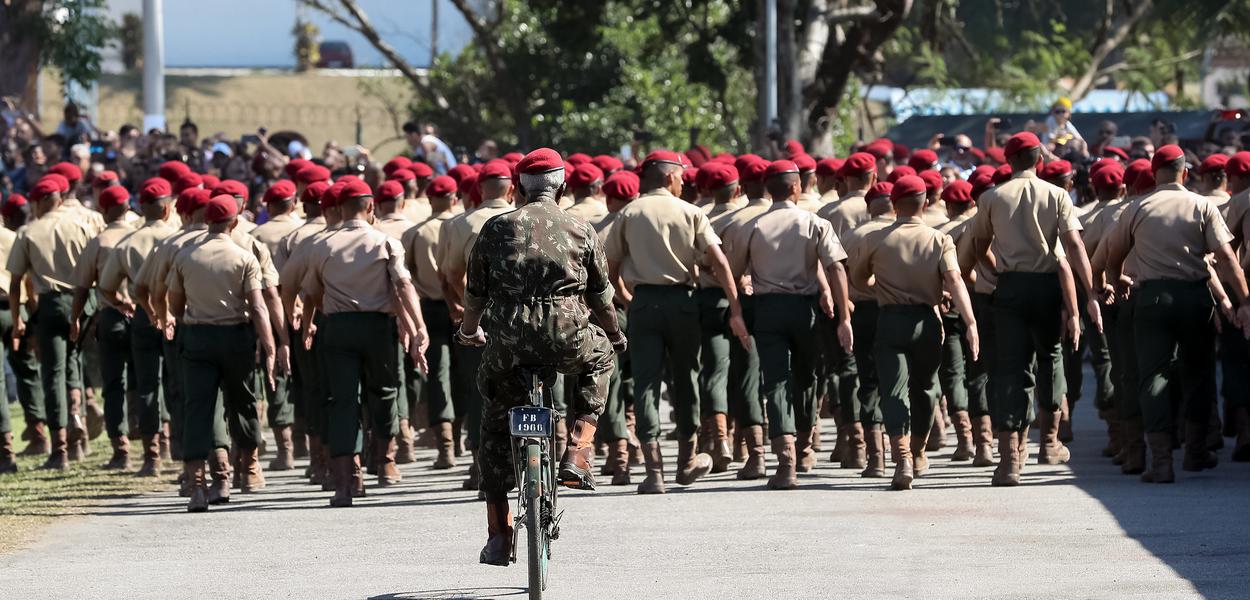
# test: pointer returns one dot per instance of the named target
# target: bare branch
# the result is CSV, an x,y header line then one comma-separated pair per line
x,y
1123,66
1113,39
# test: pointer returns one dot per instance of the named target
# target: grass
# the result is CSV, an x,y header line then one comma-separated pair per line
x,y
32,499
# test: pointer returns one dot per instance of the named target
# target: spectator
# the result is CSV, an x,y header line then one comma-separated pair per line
x,y
427,146
1059,130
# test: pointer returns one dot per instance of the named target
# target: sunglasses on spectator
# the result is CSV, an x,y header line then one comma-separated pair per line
x,y
1060,111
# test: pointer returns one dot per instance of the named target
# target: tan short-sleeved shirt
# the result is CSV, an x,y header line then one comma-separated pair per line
x,y
92,217
292,274
853,243
783,248
908,260
720,218
417,209
48,249
355,269
719,209
420,255
589,209
244,226
1172,230
810,201
7,237
215,276
934,216
729,228
288,242
155,270
268,274
456,241
658,240
847,213
1087,214
126,261
98,252
394,225
1238,219
1022,220
602,227
1097,223
1220,199
829,197
271,232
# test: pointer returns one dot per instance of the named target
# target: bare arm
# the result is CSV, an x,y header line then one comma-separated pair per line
x,y
954,284
840,290
1078,260
420,340
277,317
618,284
75,311
725,276
15,310
264,330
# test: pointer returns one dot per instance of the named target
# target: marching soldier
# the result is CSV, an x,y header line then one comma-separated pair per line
x,y
392,221
957,198
586,182
934,213
17,212
617,420
859,172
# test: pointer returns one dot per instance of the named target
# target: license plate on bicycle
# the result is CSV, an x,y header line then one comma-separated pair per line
x,y
530,421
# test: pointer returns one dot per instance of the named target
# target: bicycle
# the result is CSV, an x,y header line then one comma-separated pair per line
x,y
532,428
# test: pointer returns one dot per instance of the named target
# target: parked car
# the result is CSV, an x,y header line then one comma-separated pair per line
x,y
335,55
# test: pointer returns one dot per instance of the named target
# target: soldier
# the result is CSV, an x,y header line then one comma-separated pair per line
x,y
540,295
810,200
144,342
214,292
421,247
617,421
456,238
241,196
355,276
1024,221
1213,182
652,250
1169,232
608,165
781,251
392,221
934,213
17,212
70,201
587,184
1237,171
911,263
112,325
952,375
416,204
860,173
827,180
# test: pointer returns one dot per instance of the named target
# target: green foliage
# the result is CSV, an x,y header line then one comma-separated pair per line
x,y
130,35
73,32
307,45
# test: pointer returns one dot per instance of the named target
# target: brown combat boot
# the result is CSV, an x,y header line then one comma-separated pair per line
x,y
498,549
1064,430
560,436
405,446
38,440
1197,457
755,466
284,458
1008,472
855,456
76,441
344,473
299,439
1241,425
251,479
740,444
58,459
874,452
985,443
1022,447
1134,448
151,456
838,455
471,482
167,444
804,453
901,449
314,460
691,465
358,478
388,471
707,433
618,460
936,437
576,468
1114,444
1051,451
446,446
964,447
121,454
1160,458
919,458
6,452
219,469
193,473
722,454
654,482
785,477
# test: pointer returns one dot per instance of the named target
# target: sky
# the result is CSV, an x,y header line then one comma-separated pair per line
x,y
257,33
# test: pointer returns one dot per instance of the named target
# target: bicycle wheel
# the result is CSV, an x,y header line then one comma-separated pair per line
x,y
536,530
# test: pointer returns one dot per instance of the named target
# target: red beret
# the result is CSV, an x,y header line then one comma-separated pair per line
x,y
1133,170
513,157
401,175
44,187
12,205
1025,140
154,189
313,192
1144,183
294,166
330,197
901,152
1102,164
718,175
232,187
62,184
312,173
725,157
191,200
1215,162
495,169
805,163
442,186
585,174
690,176
932,180
828,167
172,170
1106,177
220,209
394,164
881,189
663,156
210,181
958,191
69,171
977,152
542,160
1115,152
187,181
1056,170
982,179
899,172
1238,164
781,167
922,160
354,189
996,154
475,190
741,162
113,195
281,190
1001,174
1165,155
906,187
421,170
753,171
578,158
390,191
880,148
607,164
621,186
105,179
860,163
794,148
462,172
698,156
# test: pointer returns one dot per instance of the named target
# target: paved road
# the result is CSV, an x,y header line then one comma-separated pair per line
x,y
1082,531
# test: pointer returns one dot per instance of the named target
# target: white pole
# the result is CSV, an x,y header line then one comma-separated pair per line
x,y
770,62
153,66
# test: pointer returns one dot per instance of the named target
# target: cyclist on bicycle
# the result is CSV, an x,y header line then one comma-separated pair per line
x,y
541,273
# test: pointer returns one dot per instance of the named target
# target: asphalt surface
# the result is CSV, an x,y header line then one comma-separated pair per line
x,y
1074,531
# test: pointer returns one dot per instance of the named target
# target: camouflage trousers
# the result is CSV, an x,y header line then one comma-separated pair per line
x,y
586,356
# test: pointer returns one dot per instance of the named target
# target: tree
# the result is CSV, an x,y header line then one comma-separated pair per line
x,y
66,34
130,35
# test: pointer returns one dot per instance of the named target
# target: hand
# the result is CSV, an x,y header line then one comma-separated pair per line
x,y
283,362
739,329
1107,293
1230,313
619,343
417,346
973,336
1095,313
297,318
827,306
846,336
1072,329
1124,288
477,339
947,304
127,309
309,332
169,329
1243,320
19,332
74,330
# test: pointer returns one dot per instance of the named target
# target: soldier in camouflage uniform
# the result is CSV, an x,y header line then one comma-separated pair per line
x,y
542,273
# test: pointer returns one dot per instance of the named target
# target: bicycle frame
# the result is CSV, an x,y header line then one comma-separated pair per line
x,y
532,428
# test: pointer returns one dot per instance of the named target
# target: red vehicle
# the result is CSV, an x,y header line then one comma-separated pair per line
x,y
335,55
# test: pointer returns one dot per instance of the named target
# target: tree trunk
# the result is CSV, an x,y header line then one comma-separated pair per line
x,y
759,130
789,95
19,71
